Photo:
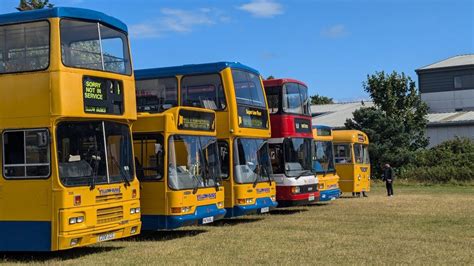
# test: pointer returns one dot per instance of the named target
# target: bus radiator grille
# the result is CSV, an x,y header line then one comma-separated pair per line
x,y
106,198
109,215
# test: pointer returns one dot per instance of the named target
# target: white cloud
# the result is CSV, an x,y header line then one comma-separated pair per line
x,y
335,31
177,20
263,8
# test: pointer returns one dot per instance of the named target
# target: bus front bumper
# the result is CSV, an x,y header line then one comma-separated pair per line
x,y
330,194
262,205
203,215
298,199
79,239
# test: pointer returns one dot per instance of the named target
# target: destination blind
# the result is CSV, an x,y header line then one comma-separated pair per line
x,y
192,120
102,96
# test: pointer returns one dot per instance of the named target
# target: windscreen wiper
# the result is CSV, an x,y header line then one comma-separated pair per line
x,y
122,173
306,172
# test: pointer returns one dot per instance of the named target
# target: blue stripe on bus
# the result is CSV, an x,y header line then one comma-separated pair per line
x,y
240,210
194,69
160,222
326,195
25,236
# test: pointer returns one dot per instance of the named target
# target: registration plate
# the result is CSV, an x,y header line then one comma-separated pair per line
x,y
106,237
207,220
311,197
264,209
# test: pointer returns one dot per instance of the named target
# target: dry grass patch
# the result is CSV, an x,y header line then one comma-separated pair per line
x,y
421,224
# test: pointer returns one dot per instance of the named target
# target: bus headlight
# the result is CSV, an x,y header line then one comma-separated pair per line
x,y
180,209
76,220
295,190
134,210
273,198
220,204
74,241
245,201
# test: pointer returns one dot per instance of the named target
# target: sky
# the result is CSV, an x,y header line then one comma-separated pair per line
x,y
331,45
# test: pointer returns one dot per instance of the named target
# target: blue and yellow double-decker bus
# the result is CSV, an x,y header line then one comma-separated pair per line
x,y
323,163
67,103
235,92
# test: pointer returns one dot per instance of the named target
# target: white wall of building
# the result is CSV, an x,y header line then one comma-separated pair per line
x,y
449,101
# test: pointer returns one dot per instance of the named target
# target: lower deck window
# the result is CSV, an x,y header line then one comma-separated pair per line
x,y
26,154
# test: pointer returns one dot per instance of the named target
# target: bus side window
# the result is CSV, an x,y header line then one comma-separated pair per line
x,y
276,156
204,91
224,157
26,154
149,157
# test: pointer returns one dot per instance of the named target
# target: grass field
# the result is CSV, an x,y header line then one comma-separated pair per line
x,y
421,224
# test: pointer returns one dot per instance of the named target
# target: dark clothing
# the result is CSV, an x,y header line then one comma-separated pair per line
x,y
388,177
389,188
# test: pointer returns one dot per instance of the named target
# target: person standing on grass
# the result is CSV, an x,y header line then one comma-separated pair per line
x,y
388,177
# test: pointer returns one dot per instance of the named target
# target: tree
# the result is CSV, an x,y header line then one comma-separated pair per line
x,y
270,77
396,123
318,99
33,4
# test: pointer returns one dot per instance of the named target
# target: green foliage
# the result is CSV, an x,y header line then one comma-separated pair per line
x,y
397,122
451,161
33,4
318,99
270,77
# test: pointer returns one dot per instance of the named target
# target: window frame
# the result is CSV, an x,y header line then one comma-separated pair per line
x,y
180,90
265,102
153,137
100,70
303,106
24,148
223,142
49,50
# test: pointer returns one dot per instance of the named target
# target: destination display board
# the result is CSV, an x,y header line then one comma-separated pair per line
x,y
192,120
302,125
360,138
252,117
102,96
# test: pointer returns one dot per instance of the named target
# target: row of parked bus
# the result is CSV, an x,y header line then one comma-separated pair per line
x,y
92,150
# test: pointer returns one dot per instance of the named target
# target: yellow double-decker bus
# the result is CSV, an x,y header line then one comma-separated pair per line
x,y
177,162
323,163
235,92
67,92
351,148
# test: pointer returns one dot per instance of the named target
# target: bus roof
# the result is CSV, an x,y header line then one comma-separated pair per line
x,y
351,136
280,82
62,12
166,72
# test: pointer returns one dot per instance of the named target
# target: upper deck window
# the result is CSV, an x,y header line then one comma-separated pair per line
x,y
248,88
273,99
295,99
92,45
156,95
205,91
24,47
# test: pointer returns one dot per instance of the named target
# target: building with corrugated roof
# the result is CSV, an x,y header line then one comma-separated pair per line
x,y
448,85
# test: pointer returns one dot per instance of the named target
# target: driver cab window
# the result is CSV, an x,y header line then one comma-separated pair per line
x,y
224,157
149,156
276,157
343,153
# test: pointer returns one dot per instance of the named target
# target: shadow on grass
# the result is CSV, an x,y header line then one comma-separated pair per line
x,y
28,257
234,221
164,235
287,211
